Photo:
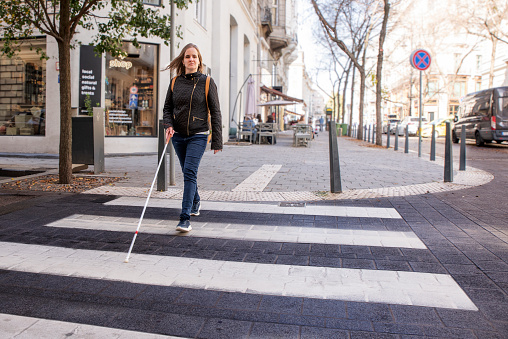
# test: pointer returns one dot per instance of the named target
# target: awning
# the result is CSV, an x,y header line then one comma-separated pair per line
x,y
280,94
279,103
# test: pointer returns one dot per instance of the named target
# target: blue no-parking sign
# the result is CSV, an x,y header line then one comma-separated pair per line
x,y
420,59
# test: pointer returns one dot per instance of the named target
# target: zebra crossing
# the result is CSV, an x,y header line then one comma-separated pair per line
x,y
253,224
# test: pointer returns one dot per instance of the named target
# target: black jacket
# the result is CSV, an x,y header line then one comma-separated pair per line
x,y
185,107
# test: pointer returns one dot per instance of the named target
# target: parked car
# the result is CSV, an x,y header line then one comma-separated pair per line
x,y
389,125
393,125
484,115
440,127
412,122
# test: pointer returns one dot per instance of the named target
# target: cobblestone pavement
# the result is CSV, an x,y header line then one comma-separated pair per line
x,y
260,262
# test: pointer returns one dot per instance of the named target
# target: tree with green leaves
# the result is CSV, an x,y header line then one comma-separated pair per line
x,y
109,22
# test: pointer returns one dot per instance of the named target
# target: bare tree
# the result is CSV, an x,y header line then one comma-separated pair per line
x,y
487,19
355,17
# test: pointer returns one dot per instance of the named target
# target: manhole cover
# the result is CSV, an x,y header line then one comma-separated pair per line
x,y
292,204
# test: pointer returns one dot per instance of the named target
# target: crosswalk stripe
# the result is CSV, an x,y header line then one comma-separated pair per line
x,y
360,285
258,180
254,233
29,327
334,211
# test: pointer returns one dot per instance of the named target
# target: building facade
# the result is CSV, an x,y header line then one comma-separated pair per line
x,y
237,41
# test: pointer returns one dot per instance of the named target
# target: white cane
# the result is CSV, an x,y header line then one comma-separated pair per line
x,y
146,203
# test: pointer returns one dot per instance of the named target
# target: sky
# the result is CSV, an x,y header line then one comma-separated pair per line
x,y
307,24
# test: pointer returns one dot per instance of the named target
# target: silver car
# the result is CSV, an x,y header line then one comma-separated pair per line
x,y
412,123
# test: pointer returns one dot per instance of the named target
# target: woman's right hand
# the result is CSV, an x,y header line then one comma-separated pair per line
x,y
169,134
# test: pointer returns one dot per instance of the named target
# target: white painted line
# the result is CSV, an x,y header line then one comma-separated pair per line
x,y
391,287
15,326
274,233
334,211
258,180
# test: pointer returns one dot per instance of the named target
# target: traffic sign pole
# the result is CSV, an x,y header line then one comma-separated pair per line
x,y
420,59
420,118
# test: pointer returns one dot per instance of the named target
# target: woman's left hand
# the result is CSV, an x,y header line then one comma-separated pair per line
x,y
216,150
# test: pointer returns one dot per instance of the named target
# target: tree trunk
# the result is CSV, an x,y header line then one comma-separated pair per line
x,y
362,98
352,102
64,57
492,61
344,98
379,70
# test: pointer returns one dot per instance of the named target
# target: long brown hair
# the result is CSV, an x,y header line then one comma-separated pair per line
x,y
177,63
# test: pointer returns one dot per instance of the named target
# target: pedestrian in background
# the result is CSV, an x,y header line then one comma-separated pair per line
x,y
186,119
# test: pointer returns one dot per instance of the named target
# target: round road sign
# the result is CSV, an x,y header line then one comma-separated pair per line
x,y
420,59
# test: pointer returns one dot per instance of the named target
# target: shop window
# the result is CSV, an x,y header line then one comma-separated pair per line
x,y
23,91
131,92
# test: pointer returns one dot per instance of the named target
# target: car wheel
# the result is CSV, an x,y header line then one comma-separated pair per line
x,y
478,139
454,137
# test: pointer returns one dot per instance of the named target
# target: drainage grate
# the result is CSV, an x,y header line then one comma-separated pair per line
x,y
291,204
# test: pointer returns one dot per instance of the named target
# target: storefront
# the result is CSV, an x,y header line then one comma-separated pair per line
x,y
131,92
23,91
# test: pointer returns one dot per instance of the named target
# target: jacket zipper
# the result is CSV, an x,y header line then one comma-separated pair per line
x,y
196,118
190,108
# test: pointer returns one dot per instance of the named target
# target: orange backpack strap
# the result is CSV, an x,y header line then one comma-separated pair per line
x,y
207,88
173,84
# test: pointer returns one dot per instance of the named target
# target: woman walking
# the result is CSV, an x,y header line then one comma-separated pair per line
x,y
192,105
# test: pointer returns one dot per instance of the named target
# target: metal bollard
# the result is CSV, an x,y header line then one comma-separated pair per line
x,y
448,165
335,184
374,134
162,176
406,145
388,138
365,134
462,164
433,144
369,135
396,146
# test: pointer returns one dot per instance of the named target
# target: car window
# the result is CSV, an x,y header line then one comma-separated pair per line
x,y
503,107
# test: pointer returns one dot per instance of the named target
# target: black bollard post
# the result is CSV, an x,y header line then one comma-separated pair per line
x,y
374,134
365,133
406,145
369,135
462,165
448,165
396,146
162,182
335,184
388,138
433,144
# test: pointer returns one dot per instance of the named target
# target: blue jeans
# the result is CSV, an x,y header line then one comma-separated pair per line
x,y
189,151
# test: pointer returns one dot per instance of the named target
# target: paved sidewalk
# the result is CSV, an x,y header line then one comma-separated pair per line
x,y
282,172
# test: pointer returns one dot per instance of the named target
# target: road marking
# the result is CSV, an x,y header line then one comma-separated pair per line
x,y
333,211
391,287
274,233
257,181
15,326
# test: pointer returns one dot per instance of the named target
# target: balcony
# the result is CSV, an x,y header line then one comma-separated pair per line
x,y
266,22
